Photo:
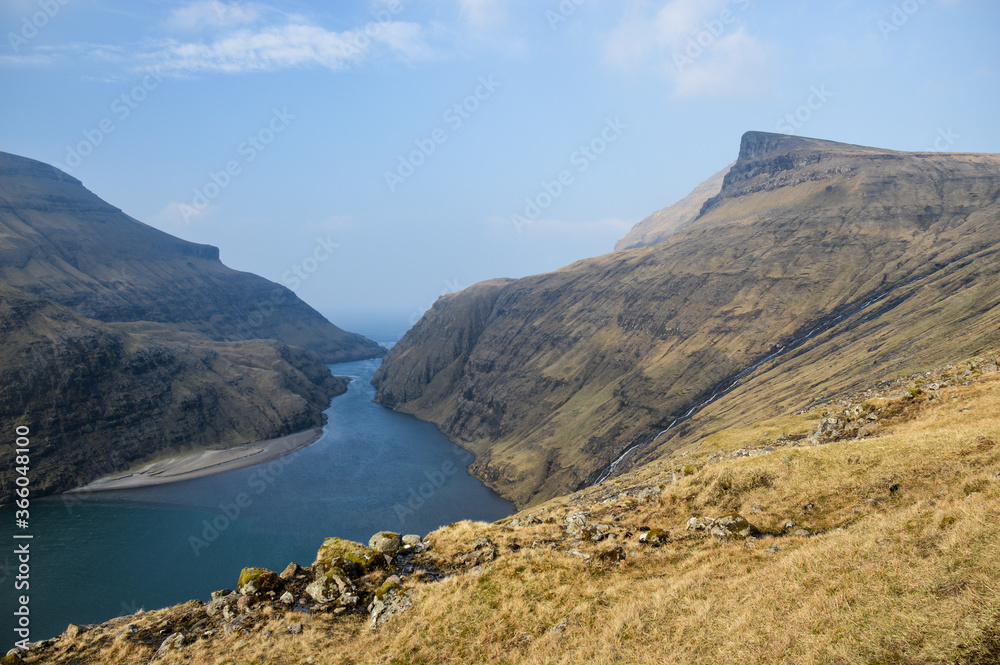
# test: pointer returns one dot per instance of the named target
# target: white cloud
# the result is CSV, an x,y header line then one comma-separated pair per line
x,y
212,14
701,45
26,61
287,46
484,15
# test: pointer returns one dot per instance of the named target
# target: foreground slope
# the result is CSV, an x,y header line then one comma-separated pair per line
x,y
821,263
862,551
61,242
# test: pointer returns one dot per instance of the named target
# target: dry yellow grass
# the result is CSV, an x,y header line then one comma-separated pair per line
x,y
903,568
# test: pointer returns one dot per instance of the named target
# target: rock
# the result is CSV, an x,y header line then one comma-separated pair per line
x,y
756,510
291,571
172,644
236,626
216,606
804,533
412,540
73,631
257,581
560,627
790,524
699,523
654,537
386,542
612,555
732,525
362,559
295,628
482,551
14,657
392,603
221,593
287,598
330,587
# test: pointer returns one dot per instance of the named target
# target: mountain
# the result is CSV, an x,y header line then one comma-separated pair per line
x,y
121,343
63,243
817,268
664,223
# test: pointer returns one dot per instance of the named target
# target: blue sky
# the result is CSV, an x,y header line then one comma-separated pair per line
x,y
372,155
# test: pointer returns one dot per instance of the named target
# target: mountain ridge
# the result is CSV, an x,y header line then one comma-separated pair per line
x,y
575,366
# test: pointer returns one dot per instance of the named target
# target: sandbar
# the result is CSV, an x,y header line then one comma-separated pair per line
x,y
198,464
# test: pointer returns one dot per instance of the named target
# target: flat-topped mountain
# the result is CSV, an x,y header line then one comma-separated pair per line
x,y
61,242
818,266
121,343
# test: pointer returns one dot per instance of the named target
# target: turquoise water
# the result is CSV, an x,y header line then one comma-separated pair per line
x,y
103,554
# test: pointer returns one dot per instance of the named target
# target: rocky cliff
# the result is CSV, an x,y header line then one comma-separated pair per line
x,y
817,267
121,343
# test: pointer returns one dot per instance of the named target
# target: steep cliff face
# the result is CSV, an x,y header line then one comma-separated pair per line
x,y
61,242
855,257
100,396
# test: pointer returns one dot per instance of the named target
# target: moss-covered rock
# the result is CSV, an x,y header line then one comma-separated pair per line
x,y
654,537
363,559
256,581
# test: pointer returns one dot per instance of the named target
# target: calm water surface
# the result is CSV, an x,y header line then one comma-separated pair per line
x,y
100,555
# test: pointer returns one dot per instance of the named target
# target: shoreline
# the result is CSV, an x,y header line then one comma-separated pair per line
x,y
199,464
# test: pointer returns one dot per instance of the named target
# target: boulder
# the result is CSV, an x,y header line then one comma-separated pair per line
x,y
654,537
732,525
292,571
257,581
412,540
362,559
482,551
612,555
699,523
390,603
386,542
173,643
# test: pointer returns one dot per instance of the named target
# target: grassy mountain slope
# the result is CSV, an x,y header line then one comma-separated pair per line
x,y
99,397
821,263
872,550
61,242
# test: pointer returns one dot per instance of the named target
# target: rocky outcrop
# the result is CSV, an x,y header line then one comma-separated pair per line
x,y
814,254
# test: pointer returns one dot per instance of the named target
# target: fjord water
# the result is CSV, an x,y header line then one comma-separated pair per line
x,y
98,555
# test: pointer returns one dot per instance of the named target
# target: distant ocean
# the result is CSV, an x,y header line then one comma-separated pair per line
x,y
104,554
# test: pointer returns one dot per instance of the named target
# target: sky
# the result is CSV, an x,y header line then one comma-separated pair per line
x,y
373,155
